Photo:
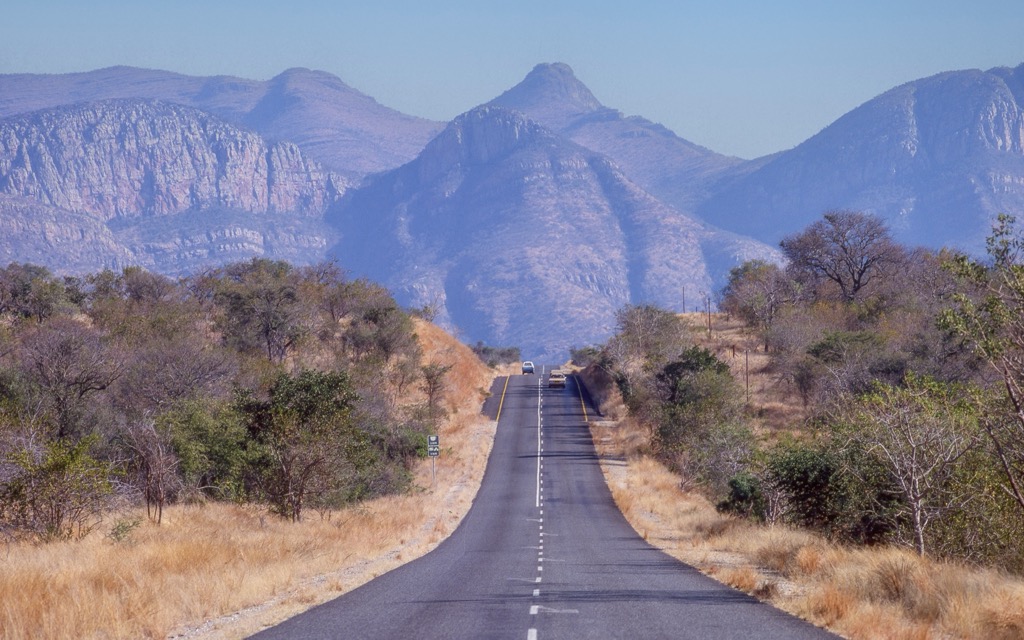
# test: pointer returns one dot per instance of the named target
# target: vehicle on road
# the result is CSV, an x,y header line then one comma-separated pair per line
x,y
556,380
527,367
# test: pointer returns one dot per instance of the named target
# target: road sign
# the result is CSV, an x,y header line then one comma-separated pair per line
x,y
433,450
433,441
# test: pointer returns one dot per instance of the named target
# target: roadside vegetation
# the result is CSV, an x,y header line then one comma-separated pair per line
x,y
842,439
221,450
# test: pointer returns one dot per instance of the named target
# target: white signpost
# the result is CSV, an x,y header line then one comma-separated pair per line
x,y
433,450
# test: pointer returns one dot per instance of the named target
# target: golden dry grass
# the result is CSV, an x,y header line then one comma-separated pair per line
x,y
225,571
773,404
860,593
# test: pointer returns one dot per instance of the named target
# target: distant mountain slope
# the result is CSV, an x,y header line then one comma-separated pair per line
x,y
937,158
528,221
522,237
130,178
130,158
676,171
61,240
345,130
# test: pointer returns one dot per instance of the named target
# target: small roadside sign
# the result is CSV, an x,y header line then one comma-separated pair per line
x,y
433,450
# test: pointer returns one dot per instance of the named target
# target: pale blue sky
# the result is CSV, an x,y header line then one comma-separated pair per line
x,y
741,77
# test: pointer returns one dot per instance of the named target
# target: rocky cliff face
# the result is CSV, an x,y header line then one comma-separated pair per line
x,y
58,239
348,132
522,237
101,172
129,158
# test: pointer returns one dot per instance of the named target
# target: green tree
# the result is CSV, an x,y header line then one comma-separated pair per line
x,y
262,307
989,315
212,446
310,442
699,428
55,492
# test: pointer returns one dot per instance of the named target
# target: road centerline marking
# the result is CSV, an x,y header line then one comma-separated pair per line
x,y
540,401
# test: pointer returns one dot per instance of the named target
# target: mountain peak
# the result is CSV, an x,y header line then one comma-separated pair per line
x,y
551,94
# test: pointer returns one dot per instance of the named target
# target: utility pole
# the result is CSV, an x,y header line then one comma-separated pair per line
x,y
707,306
746,371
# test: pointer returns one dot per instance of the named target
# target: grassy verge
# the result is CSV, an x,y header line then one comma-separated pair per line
x,y
226,571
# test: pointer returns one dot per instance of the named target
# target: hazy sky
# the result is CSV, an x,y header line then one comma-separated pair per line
x,y
741,77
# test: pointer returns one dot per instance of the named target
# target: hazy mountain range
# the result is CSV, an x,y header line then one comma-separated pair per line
x,y
526,221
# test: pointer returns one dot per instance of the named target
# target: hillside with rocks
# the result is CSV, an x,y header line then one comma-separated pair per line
x,y
347,131
526,222
516,235
157,184
936,158
675,170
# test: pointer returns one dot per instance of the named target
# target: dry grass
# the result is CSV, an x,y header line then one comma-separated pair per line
x,y
773,404
860,593
224,571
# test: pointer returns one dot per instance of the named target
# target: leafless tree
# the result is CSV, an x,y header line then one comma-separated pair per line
x,y
434,386
919,433
70,362
156,464
142,286
756,292
847,248
166,370
646,336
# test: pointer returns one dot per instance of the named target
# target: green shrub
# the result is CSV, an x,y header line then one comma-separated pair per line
x,y
56,493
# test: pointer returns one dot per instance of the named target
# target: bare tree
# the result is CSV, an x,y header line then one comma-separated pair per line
x,y
142,286
646,336
847,248
166,370
156,464
756,292
434,385
919,433
69,362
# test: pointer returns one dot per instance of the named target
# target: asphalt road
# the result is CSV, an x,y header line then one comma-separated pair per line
x,y
543,553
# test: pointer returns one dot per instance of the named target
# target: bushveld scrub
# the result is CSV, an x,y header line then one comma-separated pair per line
x,y
871,592
878,490
227,568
